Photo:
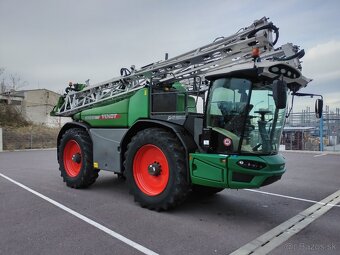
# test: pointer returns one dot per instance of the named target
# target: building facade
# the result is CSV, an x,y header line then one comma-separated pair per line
x,y
35,105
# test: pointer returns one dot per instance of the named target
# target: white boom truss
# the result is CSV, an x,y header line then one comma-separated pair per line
x,y
224,52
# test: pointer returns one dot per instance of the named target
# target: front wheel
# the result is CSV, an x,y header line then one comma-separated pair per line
x,y
155,169
75,159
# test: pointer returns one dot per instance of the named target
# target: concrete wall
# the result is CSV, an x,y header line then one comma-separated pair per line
x,y
16,101
37,106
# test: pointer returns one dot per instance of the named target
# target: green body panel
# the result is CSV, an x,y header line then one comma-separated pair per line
x,y
275,166
179,87
126,112
118,114
112,115
217,170
138,106
76,116
208,169
60,102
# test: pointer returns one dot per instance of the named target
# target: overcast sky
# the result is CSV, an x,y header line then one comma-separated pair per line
x,y
49,43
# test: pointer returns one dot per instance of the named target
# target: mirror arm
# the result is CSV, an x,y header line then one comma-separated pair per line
x,y
306,95
291,106
318,113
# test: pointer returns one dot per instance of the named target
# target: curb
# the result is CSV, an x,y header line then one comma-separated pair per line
x,y
289,151
24,150
312,152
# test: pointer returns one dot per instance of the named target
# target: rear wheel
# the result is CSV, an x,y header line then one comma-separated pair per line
x,y
156,170
75,159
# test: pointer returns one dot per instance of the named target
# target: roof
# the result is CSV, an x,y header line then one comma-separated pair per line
x,y
29,90
20,93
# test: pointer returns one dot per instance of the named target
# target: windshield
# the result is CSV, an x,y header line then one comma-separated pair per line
x,y
245,113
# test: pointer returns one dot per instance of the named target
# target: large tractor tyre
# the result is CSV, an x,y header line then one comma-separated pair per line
x,y
155,169
205,191
75,159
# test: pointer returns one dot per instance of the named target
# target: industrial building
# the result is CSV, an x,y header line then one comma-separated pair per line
x,y
302,130
35,105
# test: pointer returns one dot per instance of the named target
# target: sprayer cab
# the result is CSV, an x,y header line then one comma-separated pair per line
x,y
248,105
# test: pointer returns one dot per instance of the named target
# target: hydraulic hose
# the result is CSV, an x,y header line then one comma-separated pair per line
x,y
299,55
270,26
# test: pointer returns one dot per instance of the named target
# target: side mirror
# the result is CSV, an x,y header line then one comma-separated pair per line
x,y
280,94
318,108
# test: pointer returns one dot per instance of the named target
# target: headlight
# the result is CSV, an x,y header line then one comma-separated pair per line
x,y
284,70
251,164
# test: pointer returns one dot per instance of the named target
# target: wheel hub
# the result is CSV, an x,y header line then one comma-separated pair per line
x,y
154,169
76,158
151,170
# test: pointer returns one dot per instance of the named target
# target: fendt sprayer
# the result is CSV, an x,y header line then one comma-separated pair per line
x,y
200,122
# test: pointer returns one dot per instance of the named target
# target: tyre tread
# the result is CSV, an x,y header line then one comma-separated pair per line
x,y
90,174
181,186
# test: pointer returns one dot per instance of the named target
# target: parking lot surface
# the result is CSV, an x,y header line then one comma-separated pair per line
x,y
104,219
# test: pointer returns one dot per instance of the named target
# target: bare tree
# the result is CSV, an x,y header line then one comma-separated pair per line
x,y
16,82
2,86
2,80
10,114
10,82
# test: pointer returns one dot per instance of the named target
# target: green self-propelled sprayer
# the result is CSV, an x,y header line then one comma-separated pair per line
x,y
200,122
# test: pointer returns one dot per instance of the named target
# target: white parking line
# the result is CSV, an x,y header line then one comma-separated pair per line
x,y
84,218
320,155
278,235
290,197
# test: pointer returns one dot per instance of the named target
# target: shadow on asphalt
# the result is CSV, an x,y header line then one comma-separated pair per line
x,y
111,183
245,208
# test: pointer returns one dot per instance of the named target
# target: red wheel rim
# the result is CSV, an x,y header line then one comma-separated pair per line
x,y
72,158
147,156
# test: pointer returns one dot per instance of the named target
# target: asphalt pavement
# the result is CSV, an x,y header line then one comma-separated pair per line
x,y
104,219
